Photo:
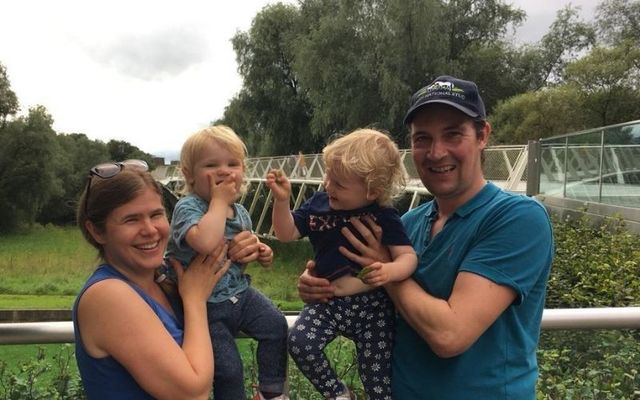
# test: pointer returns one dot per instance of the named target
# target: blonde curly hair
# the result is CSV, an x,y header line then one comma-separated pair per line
x,y
371,155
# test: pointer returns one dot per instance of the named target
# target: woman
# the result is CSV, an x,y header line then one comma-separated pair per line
x,y
129,342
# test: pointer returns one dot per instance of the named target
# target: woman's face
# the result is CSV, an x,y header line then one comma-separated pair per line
x,y
136,234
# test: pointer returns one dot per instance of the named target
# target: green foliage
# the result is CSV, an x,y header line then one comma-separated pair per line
x,y
599,365
594,266
599,272
328,67
602,88
536,115
617,21
609,81
42,378
8,99
271,112
27,178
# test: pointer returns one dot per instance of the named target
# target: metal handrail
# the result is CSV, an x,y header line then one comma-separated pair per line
x,y
552,319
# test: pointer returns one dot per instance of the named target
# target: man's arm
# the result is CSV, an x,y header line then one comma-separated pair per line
x,y
451,327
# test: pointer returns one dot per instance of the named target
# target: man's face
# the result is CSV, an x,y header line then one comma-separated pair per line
x,y
447,153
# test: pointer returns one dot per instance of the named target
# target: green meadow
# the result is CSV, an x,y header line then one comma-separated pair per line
x,y
46,267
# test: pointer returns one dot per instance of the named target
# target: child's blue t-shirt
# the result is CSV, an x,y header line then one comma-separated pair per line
x,y
187,213
322,225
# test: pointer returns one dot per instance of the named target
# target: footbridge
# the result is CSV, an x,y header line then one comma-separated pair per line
x,y
595,171
506,166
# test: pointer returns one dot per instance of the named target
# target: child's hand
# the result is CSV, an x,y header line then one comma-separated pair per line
x,y
279,185
224,190
265,255
376,274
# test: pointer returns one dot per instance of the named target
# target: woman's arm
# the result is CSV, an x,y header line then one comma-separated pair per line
x,y
115,321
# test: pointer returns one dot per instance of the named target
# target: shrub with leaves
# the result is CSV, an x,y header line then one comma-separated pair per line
x,y
42,378
594,266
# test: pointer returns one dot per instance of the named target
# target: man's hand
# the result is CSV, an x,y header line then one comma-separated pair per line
x,y
312,289
372,250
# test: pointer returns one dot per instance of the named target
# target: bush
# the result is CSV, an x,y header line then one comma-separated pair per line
x,y
42,378
594,266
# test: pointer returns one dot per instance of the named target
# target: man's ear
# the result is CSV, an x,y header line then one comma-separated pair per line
x,y
95,232
486,132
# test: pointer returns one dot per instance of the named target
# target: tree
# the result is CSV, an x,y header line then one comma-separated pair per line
x,y
330,66
27,168
75,155
618,21
602,88
120,150
534,115
609,79
380,52
8,99
271,112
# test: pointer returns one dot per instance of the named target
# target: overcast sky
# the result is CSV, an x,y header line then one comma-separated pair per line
x,y
147,72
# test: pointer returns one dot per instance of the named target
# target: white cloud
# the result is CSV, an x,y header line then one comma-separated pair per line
x,y
542,13
148,72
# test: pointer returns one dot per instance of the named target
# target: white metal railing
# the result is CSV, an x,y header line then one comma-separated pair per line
x,y
552,319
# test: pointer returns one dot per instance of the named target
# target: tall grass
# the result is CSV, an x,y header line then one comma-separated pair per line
x,y
46,261
46,267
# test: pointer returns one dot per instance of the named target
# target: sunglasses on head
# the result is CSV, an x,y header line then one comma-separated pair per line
x,y
109,170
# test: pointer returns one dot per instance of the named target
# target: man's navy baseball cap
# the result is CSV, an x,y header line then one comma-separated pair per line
x,y
457,93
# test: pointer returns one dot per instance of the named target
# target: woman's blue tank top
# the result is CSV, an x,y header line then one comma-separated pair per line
x,y
105,378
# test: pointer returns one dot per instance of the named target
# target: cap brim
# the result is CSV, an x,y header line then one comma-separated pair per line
x,y
411,113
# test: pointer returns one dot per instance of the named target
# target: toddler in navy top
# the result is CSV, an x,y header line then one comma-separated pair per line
x,y
364,172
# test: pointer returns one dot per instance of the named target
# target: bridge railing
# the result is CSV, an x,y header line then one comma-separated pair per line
x,y
505,165
552,319
598,165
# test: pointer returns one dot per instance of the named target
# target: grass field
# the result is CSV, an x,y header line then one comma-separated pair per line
x,y
46,267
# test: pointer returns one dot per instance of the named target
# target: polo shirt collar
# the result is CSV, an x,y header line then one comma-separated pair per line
x,y
481,198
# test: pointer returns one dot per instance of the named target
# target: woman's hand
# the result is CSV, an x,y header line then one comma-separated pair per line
x,y
312,289
244,248
372,250
197,282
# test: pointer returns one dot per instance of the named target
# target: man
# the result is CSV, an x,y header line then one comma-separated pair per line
x,y
469,318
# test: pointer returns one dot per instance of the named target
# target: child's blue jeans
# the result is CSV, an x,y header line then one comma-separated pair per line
x,y
254,314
